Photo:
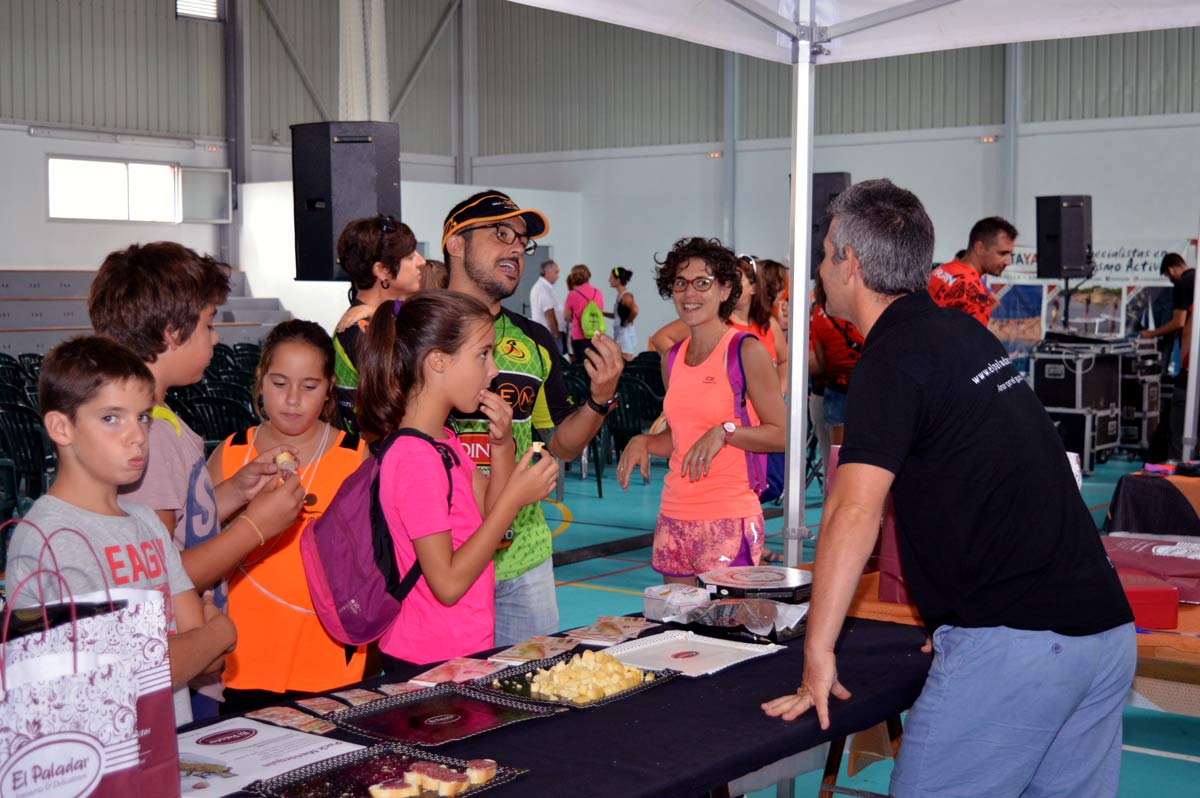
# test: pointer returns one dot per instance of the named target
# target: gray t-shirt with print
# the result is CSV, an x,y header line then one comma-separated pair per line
x,y
134,550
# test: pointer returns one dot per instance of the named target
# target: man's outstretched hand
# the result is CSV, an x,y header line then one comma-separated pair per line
x,y
819,682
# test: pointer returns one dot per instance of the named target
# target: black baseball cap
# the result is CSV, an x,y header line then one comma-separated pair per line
x,y
492,206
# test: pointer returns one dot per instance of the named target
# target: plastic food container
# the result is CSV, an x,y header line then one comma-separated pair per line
x,y
665,601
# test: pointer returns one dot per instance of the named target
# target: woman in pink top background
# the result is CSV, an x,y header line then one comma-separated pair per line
x,y
415,366
579,292
709,516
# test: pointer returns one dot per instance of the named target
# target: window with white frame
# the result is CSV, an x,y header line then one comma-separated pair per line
x,y
118,190
135,191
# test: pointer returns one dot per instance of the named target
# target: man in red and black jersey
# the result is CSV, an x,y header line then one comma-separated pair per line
x,y
962,283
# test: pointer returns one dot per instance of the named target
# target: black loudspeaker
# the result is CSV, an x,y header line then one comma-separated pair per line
x,y
1064,237
825,188
340,171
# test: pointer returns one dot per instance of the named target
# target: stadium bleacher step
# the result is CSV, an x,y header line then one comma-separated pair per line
x,y
39,308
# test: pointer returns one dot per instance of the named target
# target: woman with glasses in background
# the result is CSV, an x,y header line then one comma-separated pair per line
x,y
380,255
709,516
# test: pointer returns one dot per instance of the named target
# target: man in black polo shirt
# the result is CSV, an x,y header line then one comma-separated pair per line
x,y
1183,286
1033,639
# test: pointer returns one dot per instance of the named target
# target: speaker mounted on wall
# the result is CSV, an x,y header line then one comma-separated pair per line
x,y
1064,237
826,186
340,171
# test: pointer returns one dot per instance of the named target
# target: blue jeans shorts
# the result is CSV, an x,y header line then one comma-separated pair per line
x,y
526,605
1008,712
835,408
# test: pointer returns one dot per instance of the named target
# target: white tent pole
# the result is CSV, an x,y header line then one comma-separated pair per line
x,y
1189,416
729,151
803,83
1013,80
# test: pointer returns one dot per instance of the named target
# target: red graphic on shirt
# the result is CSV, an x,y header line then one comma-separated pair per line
x,y
131,563
477,447
957,285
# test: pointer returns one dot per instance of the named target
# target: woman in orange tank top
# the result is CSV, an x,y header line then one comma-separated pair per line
x,y
282,646
709,517
752,314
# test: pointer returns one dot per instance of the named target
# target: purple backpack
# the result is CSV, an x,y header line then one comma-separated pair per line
x,y
348,554
756,462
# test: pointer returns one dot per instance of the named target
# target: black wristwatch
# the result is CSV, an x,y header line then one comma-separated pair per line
x,y
602,409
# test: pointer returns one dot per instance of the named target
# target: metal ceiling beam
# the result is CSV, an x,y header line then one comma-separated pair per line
x,y
775,21
294,57
883,17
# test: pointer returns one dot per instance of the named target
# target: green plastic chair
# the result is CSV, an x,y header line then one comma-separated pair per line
x,y
578,386
32,363
636,408
23,440
214,419
235,393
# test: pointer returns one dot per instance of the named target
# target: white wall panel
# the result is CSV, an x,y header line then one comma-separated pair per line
x,y
32,240
268,247
1130,74
126,65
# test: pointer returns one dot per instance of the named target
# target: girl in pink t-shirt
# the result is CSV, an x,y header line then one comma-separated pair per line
x,y
416,364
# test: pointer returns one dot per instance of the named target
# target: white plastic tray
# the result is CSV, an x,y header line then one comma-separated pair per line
x,y
687,652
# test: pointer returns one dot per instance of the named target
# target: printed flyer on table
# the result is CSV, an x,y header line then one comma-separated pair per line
x,y
223,758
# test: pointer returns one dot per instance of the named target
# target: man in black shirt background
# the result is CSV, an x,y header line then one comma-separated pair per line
x,y
1033,639
1183,285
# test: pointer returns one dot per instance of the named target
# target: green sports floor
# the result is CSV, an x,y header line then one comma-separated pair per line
x,y
1161,751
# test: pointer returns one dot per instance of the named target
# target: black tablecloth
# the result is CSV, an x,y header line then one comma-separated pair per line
x,y
692,735
1147,505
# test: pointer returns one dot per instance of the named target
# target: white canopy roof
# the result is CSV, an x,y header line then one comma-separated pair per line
x,y
915,26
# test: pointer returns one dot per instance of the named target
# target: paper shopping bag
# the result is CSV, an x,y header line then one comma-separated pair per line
x,y
68,726
136,634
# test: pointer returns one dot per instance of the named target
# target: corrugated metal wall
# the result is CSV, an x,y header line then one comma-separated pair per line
x,y
550,82
425,118
953,88
111,64
277,95
1130,74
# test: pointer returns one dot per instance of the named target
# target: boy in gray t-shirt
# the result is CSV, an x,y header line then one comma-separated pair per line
x,y
134,551
96,397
